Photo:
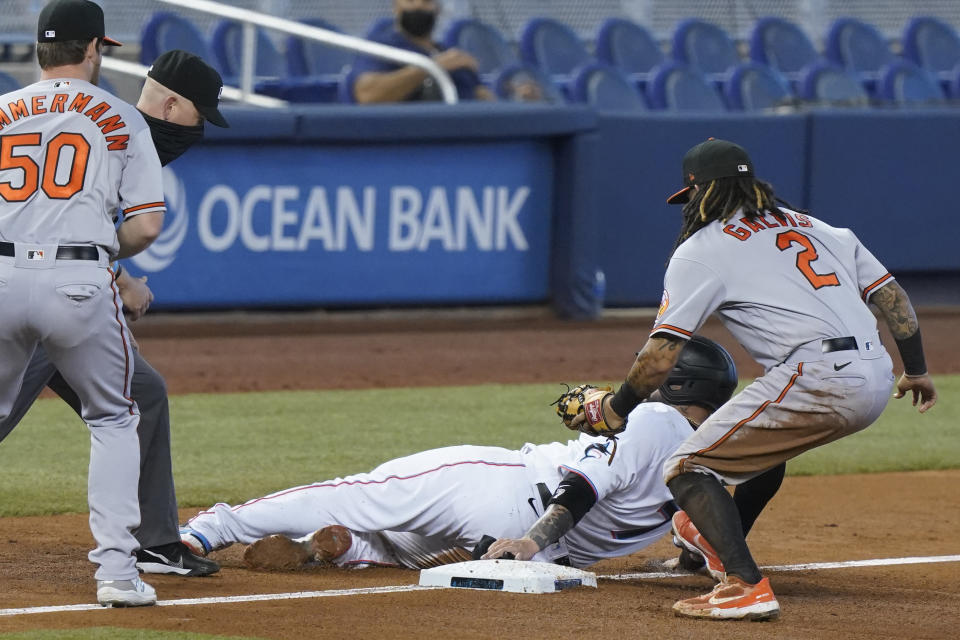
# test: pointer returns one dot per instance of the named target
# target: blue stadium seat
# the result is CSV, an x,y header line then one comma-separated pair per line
x,y
753,86
227,43
312,58
483,42
704,46
165,31
932,44
526,83
677,86
8,83
606,88
955,82
782,46
629,47
345,87
858,47
905,83
830,83
552,47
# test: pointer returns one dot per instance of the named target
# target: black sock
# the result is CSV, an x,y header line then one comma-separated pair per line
x,y
754,494
715,515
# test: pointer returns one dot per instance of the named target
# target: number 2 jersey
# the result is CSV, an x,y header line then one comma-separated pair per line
x,y
777,282
71,155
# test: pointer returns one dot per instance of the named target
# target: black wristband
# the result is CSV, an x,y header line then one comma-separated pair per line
x,y
575,494
625,400
117,271
911,352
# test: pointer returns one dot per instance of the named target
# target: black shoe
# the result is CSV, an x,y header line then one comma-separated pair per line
x,y
690,562
174,558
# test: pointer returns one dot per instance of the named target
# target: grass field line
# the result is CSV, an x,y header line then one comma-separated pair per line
x,y
812,566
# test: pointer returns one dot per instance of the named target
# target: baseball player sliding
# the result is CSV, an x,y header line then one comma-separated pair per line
x,y
71,154
437,506
179,94
793,290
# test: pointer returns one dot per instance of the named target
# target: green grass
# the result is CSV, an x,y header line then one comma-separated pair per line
x,y
232,447
113,633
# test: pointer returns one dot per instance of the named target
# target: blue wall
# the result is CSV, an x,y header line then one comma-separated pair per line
x,y
427,204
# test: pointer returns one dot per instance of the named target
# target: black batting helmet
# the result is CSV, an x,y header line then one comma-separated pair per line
x,y
704,375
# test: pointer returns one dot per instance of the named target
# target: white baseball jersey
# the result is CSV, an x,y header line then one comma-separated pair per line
x,y
72,154
775,283
414,507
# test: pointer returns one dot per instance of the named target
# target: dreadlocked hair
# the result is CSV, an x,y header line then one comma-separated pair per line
x,y
721,198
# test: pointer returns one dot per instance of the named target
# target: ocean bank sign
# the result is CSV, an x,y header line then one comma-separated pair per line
x,y
282,226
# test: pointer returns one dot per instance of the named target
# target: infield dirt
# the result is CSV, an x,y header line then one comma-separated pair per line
x,y
813,519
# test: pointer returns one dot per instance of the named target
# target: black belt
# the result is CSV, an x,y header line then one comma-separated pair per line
x,y
830,345
66,252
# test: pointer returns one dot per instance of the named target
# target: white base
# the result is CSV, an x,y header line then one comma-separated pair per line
x,y
507,575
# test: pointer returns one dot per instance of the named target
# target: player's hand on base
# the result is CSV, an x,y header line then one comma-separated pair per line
x,y
135,294
521,548
922,388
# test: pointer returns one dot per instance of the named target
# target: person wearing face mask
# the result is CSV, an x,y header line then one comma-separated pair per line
x,y
180,93
385,81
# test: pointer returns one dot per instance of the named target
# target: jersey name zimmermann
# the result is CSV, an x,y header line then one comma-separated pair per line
x,y
100,113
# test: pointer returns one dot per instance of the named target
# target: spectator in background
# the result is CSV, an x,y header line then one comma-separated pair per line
x,y
385,81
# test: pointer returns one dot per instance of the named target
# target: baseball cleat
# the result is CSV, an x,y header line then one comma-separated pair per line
x,y
277,553
685,533
195,542
330,542
685,561
732,599
175,558
125,593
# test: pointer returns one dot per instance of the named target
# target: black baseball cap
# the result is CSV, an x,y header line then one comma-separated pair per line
x,y
191,77
63,20
711,160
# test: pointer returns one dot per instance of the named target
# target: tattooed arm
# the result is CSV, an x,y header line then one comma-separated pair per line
x,y
894,305
649,370
901,319
548,529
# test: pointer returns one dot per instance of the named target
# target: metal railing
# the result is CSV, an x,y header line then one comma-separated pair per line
x,y
230,93
251,20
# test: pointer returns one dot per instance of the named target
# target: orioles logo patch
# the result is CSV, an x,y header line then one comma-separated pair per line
x,y
664,303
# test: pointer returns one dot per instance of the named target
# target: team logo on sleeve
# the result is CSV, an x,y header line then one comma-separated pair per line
x,y
595,450
664,303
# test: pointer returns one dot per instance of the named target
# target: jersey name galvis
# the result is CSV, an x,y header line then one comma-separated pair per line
x,y
775,282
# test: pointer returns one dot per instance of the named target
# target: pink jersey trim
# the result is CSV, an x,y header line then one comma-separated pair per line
x,y
596,494
367,482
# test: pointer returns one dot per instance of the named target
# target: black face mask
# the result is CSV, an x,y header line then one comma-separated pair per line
x,y
170,139
418,22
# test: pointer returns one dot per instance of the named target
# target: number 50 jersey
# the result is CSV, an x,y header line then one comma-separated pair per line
x,y
71,155
776,282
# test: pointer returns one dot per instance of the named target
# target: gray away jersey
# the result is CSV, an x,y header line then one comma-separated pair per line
x,y
73,154
775,283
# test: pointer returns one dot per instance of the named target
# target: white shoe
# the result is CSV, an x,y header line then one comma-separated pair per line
x,y
125,593
197,544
